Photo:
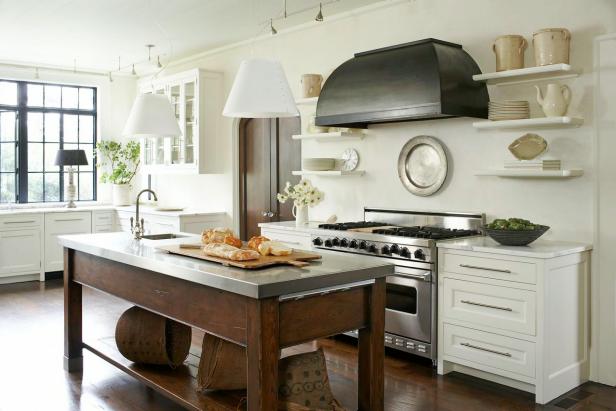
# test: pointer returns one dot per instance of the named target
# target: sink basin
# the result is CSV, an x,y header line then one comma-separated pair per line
x,y
168,236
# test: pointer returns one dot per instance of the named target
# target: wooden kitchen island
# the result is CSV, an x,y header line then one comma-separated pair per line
x,y
264,310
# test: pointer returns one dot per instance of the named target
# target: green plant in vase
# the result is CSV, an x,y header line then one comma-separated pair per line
x,y
121,163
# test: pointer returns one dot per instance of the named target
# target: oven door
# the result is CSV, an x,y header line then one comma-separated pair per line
x,y
409,304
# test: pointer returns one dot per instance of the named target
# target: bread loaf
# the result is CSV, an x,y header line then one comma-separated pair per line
x,y
229,252
255,241
274,248
215,235
234,241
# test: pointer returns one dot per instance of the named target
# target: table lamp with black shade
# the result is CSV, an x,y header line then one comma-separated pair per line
x,y
71,158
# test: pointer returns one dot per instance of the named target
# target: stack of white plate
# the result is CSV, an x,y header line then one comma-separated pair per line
x,y
508,110
318,164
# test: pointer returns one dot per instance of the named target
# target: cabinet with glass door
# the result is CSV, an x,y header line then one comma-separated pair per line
x,y
196,98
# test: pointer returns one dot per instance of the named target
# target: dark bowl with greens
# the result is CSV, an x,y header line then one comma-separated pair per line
x,y
514,231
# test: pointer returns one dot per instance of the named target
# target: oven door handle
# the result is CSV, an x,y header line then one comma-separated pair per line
x,y
407,280
414,274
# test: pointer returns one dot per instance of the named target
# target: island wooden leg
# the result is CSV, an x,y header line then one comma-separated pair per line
x,y
370,380
263,353
73,356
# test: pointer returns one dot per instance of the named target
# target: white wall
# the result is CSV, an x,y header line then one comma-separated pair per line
x,y
114,100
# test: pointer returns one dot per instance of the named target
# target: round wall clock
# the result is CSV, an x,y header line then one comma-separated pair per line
x,y
350,159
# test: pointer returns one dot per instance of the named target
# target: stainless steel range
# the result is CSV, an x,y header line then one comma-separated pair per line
x,y
408,240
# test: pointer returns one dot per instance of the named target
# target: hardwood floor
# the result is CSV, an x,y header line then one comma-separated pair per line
x,y
32,377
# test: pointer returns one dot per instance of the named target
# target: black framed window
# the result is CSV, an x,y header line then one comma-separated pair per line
x,y
37,119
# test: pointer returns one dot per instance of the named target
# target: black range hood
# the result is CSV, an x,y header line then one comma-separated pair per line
x,y
425,79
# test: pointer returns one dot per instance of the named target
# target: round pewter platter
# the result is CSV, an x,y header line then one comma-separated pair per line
x,y
422,165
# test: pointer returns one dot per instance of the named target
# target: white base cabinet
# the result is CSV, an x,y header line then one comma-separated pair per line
x,y
57,224
161,224
518,321
21,245
293,239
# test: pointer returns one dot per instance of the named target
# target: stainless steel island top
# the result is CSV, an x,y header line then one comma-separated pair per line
x,y
330,271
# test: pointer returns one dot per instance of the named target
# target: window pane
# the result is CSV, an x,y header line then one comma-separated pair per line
x,y
51,149
7,125
35,157
8,93
85,186
52,96
7,157
35,95
70,128
35,126
86,99
7,188
52,187
86,129
72,146
52,127
35,187
70,97
89,149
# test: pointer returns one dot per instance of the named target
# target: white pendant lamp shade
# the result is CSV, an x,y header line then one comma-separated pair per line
x,y
260,90
152,115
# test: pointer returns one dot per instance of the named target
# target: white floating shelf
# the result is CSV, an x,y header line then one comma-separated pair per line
x,y
507,173
527,75
334,136
332,173
306,101
541,122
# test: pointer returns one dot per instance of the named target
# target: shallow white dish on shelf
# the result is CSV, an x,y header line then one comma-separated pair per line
x,y
318,164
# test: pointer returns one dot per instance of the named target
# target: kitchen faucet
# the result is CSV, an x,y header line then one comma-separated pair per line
x,y
137,228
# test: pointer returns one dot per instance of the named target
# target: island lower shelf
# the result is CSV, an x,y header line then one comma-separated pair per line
x,y
179,385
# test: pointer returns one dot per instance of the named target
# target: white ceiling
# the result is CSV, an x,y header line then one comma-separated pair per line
x,y
95,32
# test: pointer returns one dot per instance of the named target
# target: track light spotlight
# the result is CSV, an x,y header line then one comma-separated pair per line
x,y
319,16
272,28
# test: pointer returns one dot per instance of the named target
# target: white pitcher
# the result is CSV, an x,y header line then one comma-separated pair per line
x,y
556,100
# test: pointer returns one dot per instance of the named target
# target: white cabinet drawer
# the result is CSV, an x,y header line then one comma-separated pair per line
x,y
495,352
491,268
20,252
490,305
28,220
301,241
102,218
103,229
77,222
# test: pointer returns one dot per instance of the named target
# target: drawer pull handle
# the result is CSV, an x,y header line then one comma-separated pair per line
x,y
68,219
20,222
476,267
504,354
496,307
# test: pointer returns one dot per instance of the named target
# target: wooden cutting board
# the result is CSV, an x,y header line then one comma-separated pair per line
x,y
296,258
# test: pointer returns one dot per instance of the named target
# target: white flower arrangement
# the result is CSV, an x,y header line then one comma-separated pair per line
x,y
302,194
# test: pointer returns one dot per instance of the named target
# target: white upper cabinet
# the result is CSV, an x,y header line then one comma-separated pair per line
x,y
196,96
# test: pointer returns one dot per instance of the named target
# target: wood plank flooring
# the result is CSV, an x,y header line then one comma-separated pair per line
x,y
32,377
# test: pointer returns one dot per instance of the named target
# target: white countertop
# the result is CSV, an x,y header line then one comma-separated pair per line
x,y
537,249
290,226
144,209
329,271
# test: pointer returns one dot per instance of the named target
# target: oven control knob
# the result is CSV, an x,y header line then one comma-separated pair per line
x,y
344,242
419,254
328,243
362,245
353,244
394,249
404,252
336,242
317,241
385,250
372,248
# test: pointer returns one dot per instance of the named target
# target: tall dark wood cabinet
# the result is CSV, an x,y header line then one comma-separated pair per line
x,y
268,155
